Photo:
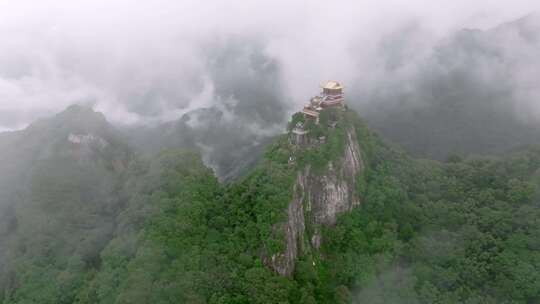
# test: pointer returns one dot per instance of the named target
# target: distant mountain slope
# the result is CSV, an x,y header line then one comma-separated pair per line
x,y
59,184
475,92
228,145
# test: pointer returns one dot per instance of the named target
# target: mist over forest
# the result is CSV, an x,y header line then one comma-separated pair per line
x,y
160,152
435,81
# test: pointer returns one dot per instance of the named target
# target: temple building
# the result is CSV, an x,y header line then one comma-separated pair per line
x,y
331,96
313,108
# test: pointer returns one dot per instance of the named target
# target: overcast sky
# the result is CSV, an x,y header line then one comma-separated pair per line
x,y
147,61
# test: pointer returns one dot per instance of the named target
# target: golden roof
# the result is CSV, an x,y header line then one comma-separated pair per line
x,y
332,85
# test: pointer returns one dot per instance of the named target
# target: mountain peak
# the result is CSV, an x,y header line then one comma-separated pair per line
x,y
527,26
77,127
75,118
85,113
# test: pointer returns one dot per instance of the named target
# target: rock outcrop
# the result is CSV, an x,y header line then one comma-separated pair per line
x,y
88,140
318,199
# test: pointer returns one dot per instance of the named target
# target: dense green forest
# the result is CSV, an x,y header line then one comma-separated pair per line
x,y
164,230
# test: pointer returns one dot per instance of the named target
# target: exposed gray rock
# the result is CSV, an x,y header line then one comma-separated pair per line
x,y
319,199
87,140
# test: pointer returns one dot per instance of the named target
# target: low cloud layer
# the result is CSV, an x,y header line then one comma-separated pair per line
x,y
152,61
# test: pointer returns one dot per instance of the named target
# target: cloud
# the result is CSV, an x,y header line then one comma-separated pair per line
x,y
155,60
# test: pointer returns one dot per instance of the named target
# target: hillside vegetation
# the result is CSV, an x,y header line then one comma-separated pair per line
x,y
164,230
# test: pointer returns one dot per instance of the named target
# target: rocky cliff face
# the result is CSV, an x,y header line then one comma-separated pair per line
x,y
317,200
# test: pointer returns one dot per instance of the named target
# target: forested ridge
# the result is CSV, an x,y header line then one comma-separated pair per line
x,y
164,230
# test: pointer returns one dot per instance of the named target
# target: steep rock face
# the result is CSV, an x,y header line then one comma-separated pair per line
x,y
334,192
318,199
